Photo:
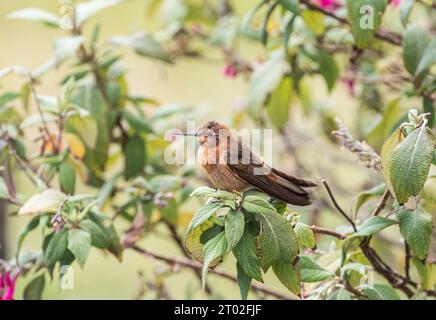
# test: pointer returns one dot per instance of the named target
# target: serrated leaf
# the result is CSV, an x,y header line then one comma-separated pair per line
x,y
134,156
193,244
35,14
373,225
245,253
79,243
204,213
244,281
47,201
34,289
365,17
56,247
312,271
234,224
213,193
410,163
305,235
257,205
386,155
289,274
212,250
415,42
369,194
85,10
416,228
277,239
278,105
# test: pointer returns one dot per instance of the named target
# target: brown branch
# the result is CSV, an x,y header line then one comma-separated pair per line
x,y
407,257
385,35
183,262
381,205
328,232
337,206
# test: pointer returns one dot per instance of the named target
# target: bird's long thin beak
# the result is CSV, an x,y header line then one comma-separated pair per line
x,y
193,134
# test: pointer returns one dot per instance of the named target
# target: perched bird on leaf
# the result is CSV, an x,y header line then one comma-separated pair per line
x,y
230,165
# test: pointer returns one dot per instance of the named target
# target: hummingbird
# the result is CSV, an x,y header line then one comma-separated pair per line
x,y
231,165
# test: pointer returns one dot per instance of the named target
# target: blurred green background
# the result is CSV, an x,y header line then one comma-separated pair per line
x,y
195,82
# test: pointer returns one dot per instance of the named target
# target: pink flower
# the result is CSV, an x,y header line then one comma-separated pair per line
x,y
327,4
7,286
395,3
230,71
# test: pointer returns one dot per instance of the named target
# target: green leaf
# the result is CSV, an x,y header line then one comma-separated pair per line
x,y
4,193
244,281
428,107
277,239
47,201
289,274
32,225
314,20
144,45
415,42
67,178
85,10
365,17
278,105
79,243
213,193
66,47
416,228
234,224
305,235
279,205
193,240
7,97
406,7
257,205
99,237
245,253
373,225
85,127
35,14
312,271
384,127
326,66
137,122
265,78
56,248
291,5
169,212
213,249
134,156
410,163
386,292
340,294
427,273
34,289
204,213
369,194
386,155
428,59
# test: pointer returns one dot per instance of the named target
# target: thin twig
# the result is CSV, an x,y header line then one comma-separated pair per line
x,y
183,262
407,257
328,232
337,206
381,205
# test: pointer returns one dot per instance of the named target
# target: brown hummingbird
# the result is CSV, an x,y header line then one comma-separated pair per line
x,y
230,165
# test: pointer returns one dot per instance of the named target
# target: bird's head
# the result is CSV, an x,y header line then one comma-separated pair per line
x,y
210,133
